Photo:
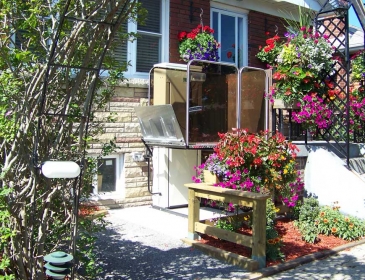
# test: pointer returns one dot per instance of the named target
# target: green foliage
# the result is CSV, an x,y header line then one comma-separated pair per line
x,y
328,220
5,235
224,224
85,245
331,222
37,214
273,245
358,65
295,211
270,212
306,223
273,241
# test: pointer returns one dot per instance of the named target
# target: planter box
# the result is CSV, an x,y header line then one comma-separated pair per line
x,y
209,177
280,104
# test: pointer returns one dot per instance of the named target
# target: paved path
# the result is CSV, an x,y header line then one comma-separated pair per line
x,y
145,243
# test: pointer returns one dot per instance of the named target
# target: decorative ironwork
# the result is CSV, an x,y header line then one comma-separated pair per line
x,y
333,21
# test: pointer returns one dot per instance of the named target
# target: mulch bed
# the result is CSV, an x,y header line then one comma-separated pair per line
x,y
293,245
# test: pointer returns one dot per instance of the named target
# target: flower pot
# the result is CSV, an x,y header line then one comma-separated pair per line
x,y
280,104
209,177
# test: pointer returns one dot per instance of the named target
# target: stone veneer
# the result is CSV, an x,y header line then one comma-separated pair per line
x,y
126,131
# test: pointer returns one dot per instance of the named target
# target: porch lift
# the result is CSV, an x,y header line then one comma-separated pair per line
x,y
188,106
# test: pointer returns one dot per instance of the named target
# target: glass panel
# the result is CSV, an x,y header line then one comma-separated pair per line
x,y
159,125
228,39
252,100
240,50
148,52
106,175
212,104
152,22
216,99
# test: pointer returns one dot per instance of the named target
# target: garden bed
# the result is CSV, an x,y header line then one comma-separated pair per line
x,y
293,246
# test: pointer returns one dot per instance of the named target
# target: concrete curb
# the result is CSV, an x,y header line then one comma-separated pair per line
x,y
268,271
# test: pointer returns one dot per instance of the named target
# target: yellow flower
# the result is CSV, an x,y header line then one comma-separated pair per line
x,y
285,171
351,225
325,221
277,209
347,219
322,214
334,230
246,218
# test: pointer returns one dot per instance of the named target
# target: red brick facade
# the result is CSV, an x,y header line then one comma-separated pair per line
x,y
258,25
180,21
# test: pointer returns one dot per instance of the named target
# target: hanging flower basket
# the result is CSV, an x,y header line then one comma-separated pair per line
x,y
198,44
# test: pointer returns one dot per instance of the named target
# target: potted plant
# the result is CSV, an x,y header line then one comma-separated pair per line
x,y
198,44
256,163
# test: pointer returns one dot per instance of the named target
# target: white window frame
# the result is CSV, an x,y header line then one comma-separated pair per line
x,y
119,192
233,12
132,46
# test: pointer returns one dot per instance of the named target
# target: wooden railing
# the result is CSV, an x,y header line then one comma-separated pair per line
x,y
243,198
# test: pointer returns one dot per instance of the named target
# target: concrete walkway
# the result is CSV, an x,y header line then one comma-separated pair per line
x,y
145,243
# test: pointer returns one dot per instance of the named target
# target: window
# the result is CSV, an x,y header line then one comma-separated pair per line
x,y
151,46
108,176
107,173
230,29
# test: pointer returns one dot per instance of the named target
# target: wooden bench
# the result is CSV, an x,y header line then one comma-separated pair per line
x,y
243,198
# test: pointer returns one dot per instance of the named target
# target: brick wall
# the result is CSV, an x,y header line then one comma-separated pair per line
x,y
180,21
260,27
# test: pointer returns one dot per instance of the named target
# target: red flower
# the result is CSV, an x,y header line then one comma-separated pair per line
x,y
269,48
182,35
257,161
191,35
208,29
229,54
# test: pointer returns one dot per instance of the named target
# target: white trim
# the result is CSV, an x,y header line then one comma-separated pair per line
x,y
165,28
164,35
235,13
227,7
119,192
271,7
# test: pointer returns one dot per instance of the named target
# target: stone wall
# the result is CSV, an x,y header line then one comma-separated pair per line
x,y
126,132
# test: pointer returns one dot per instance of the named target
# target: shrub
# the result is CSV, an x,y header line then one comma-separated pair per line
x,y
331,222
273,240
308,213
